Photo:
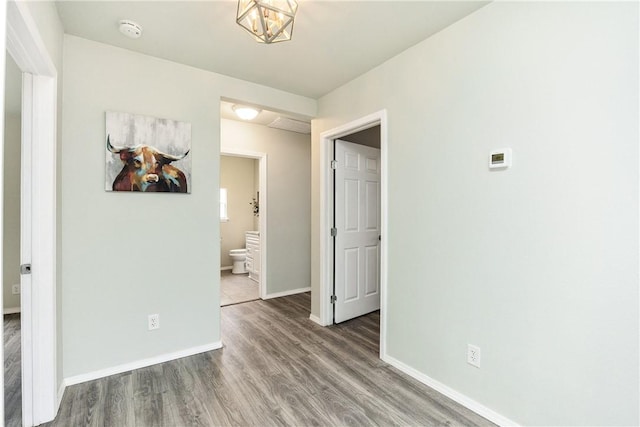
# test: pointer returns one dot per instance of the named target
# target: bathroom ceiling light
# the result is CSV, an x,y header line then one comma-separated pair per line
x,y
245,113
268,21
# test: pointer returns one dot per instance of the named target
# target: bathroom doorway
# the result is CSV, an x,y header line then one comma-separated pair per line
x,y
242,226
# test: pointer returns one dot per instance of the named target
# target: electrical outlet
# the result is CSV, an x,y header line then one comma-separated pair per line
x,y
15,289
154,321
473,355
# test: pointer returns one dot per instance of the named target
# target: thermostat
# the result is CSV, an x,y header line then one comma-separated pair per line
x,y
500,159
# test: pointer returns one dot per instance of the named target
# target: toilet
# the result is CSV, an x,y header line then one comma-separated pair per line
x,y
238,256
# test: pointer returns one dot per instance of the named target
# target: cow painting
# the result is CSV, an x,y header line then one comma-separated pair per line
x,y
147,154
147,169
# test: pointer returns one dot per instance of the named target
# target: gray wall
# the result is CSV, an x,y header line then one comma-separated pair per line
x,y
538,264
12,146
237,176
369,137
11,236
127,255
289,199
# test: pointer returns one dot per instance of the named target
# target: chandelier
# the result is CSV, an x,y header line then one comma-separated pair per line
x,y
269,21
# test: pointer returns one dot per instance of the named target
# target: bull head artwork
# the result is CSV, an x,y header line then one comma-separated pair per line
x,y
147,169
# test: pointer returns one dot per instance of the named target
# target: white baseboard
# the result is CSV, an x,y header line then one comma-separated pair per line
x,y
61,390
451,393
89,376
226,268
287,293
12,310
315,319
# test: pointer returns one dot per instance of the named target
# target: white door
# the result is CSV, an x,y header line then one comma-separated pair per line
x,y
357,223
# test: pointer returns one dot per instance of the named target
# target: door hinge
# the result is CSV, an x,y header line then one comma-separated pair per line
x,y
333,299
25,269
334,164
334,232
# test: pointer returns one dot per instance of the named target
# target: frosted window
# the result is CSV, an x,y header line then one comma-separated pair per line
x,y
223,205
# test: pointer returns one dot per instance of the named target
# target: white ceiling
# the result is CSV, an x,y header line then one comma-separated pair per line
x,y
333,41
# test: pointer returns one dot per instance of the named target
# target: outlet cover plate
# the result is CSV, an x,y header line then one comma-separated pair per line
x,y
15,289
154,321
473,355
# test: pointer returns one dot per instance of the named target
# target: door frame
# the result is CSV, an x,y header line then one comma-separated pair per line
x,y
40,396
262,165
326,215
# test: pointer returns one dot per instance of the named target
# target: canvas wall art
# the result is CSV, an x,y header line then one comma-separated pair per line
x,y
147,154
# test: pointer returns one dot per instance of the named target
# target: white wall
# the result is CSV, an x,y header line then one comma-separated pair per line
x,y
11,219
128,255
537,265
289,199
237,175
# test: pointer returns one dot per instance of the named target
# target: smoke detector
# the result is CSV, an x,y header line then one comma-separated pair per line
x,y
130,29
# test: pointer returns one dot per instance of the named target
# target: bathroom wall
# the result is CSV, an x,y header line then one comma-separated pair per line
x,y
238,176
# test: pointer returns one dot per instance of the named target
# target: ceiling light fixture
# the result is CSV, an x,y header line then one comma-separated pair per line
x,y
245,113
269,21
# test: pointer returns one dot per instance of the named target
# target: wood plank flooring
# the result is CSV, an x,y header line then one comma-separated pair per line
x,y
277,368
12,371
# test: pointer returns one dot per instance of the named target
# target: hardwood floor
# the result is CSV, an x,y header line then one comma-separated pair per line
x,y
12,371
276,368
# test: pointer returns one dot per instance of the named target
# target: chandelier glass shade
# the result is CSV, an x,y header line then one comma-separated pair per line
x,y
268,21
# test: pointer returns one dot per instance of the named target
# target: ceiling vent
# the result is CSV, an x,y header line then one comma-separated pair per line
x,y
291,125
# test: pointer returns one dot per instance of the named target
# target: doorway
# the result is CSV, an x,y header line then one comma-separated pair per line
x,y
239,229
356,224
327,264
253,240
38,217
